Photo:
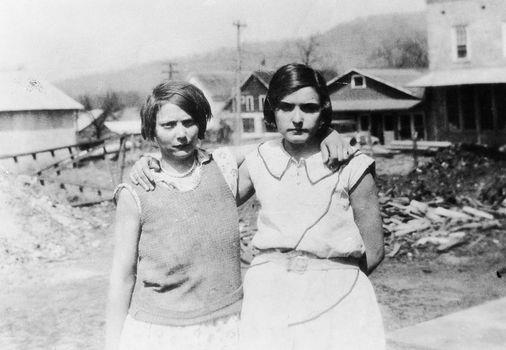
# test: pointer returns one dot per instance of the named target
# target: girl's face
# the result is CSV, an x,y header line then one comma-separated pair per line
x,y
176,131
298,115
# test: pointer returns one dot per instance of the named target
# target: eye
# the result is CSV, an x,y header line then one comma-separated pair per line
x,y
285,106
169,125
309,107
188,122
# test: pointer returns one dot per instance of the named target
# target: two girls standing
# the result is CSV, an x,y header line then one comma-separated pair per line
x,y
317,228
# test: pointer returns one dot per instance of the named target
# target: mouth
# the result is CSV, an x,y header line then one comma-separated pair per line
x,y
183,147
298,131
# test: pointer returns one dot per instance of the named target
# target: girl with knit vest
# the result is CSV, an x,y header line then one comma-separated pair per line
x,y
319,231
176,277
175,280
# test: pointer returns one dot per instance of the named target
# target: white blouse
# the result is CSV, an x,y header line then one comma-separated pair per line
x,y
304,205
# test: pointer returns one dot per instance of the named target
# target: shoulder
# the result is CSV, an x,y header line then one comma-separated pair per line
x,y
356,169
129,193
226,162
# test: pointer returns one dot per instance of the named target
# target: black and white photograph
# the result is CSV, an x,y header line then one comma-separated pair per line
x,y
253,174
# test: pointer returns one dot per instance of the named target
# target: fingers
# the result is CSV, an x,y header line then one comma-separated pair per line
x,y
146,179
140,174
335,152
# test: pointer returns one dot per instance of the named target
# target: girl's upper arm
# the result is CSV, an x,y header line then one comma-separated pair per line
x,y
126,233
245,185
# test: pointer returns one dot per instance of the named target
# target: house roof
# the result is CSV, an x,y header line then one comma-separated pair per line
x,y
86,118
264,77
470,76
21,91
395,78
219,84
372,105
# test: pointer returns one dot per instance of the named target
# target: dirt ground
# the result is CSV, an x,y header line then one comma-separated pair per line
x,y
59,302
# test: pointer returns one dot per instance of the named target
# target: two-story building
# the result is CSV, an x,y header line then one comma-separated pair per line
x,y
466,84
253,92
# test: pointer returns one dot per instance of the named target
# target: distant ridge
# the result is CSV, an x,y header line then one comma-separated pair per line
x,y
346,45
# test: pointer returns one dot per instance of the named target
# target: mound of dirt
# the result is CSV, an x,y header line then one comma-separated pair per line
x,y
457,175
34,226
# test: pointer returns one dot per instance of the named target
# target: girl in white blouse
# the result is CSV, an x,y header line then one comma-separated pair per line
x,y
319,231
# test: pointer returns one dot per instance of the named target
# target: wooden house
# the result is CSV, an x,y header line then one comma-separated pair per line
x,y
253,92
378,101
34,114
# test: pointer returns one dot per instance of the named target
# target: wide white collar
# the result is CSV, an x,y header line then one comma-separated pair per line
x,y
277,161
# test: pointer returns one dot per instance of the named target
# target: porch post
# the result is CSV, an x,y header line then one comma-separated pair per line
x,y
477,114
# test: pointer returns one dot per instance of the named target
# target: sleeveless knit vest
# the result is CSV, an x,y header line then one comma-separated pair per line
x,y
188,268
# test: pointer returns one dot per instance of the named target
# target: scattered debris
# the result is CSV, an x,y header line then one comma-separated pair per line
x,y
452,200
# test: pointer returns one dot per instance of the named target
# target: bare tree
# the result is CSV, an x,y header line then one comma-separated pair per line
x,y
409,52
308,50
86,101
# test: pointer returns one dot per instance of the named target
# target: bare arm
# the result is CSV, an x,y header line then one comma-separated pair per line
x,y
245,187
124,265
336,149
366,210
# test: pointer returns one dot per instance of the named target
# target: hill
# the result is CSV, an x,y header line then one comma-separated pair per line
x,y
362,42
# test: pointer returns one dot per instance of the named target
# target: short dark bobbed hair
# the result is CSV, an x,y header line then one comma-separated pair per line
x,y
186,96
290,78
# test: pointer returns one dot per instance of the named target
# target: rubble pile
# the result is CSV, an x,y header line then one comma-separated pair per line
x,y
461,174
35,226
452,200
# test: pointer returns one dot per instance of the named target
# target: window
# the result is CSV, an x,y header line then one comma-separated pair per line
x,y
357,82
405,127
468,107
364,122
248,102
261,101
460,43
248,124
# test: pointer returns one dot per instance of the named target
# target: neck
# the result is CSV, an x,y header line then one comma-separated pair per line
x,y
302,150
177,165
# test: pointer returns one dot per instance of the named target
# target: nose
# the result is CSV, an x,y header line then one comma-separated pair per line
x,y
297,118
181,134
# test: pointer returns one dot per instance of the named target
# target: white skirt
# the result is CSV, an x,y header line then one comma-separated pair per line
x,y
321,306
220,334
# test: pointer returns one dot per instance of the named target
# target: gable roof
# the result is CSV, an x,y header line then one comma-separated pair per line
x,y
262,75
21,91
86,118
395,78
219,84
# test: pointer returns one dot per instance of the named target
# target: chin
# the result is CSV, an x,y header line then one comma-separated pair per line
x,y
296,139
183,154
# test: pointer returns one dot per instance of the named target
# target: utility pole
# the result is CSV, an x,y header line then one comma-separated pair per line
x,y
171,70
238,124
